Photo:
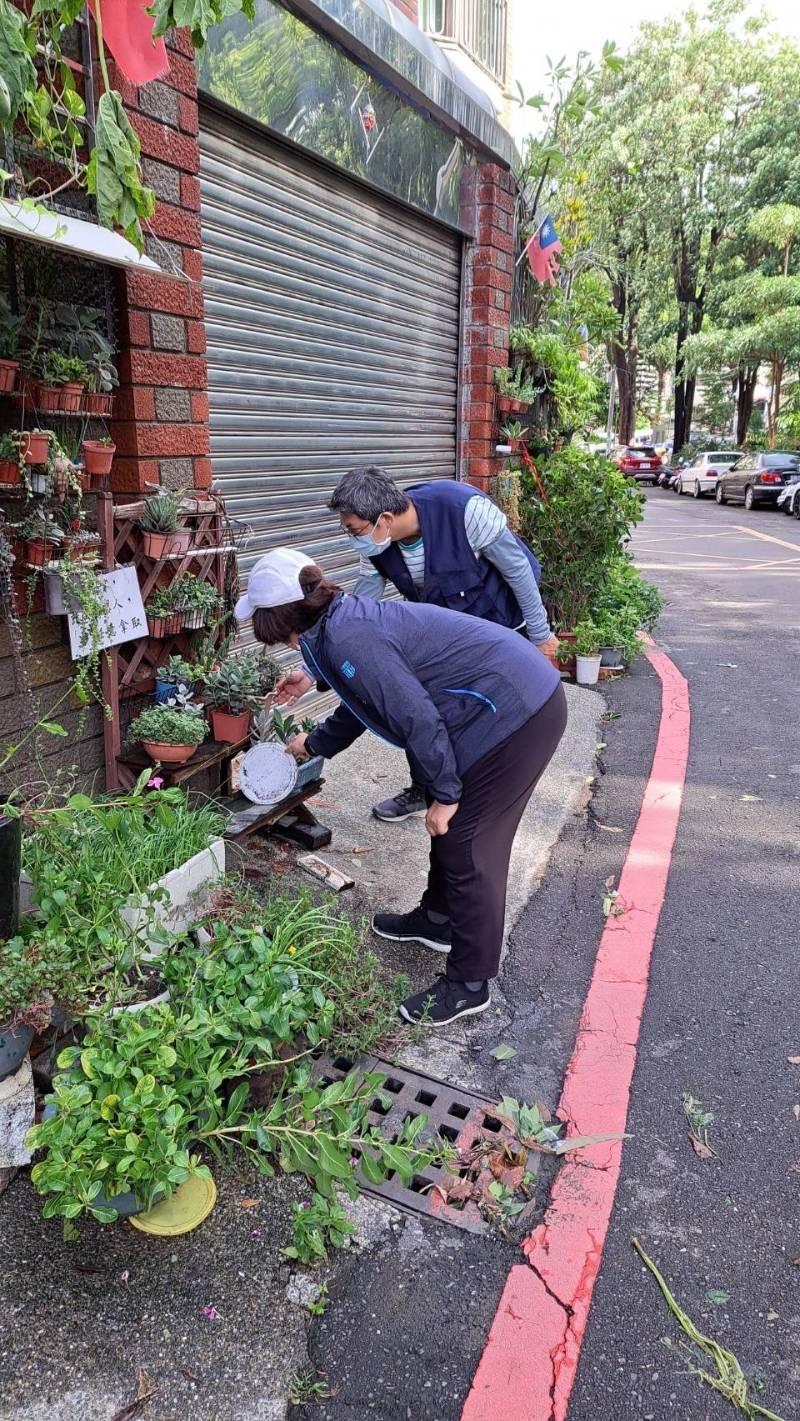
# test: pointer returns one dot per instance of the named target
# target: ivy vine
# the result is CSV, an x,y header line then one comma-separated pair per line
x,y
43,104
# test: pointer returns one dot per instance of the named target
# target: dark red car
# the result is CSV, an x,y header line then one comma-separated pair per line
x,y
639,461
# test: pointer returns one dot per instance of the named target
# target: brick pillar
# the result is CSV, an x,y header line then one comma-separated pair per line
x,y
488,280
161,424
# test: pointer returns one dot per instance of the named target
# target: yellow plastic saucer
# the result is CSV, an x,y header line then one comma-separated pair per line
x,y
188,1207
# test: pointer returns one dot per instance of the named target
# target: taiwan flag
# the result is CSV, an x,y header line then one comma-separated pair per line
x,y
128,32
543,249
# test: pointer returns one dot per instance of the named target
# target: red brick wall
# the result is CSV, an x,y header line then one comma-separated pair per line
x,y
161,423
408,7
489,191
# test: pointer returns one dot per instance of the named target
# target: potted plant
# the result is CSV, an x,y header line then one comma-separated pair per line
x,y
162,617
10,471
25,1001
101,381
198,601
169,735
232,693
34,445
161,525
81,544
177,672
98,456
67,374
588,638
9,339
513,434
43,537
514,391
284,728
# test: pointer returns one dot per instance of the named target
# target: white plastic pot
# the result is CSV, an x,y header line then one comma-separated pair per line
x,y
188,889
587,671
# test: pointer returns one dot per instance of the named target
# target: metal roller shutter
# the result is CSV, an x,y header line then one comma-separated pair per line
x,y
333,333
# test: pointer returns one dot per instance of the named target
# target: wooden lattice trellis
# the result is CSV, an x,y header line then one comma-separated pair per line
x,y
129,670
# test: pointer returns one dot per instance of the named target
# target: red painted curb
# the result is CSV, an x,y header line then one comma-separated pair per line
x,y
529,1364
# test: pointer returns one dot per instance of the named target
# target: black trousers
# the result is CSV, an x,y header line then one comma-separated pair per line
x,y
468,872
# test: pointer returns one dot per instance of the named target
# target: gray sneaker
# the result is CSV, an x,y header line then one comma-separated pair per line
x,y
405,805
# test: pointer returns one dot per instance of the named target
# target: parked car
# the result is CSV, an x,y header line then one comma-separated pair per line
x,y
789,496
639,461
700,475
757,479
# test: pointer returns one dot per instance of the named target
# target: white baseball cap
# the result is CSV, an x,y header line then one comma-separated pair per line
x,y
274,580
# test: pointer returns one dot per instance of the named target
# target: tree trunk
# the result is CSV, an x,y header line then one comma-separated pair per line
x,y
662,376
775,401
745,394
625,363
680,426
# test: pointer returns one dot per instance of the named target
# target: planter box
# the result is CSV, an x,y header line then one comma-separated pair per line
x,y
187,888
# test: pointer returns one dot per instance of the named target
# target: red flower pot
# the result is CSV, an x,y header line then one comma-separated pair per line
x,y
504,404
8,376
97,403
181,541
71,397
161,627
227,727
168,754
75,551
35,448
9,472
161,545
39,553
97,457
46,397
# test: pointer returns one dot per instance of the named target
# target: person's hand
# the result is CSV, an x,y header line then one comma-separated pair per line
x,y
550,647
437,819
297,747
291,687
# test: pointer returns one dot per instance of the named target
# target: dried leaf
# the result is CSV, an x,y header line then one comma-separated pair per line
x,y
248,1203
609,828
701,1150
750,798
716,1295
503,1052
580,1142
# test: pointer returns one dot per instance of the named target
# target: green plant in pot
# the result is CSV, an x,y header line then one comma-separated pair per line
x,y
514,391
161,522
126,1106
232,693
34,446
67,373
177,671
42,535
26,1000
169,735
588,641
163,617
10,462
198,601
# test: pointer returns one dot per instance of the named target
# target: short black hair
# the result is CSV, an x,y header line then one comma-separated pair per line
x,y
276,624
368,492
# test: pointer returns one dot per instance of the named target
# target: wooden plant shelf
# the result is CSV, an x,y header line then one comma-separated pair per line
x,y
211,752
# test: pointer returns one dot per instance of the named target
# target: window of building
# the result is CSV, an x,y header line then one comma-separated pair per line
x,y
478,27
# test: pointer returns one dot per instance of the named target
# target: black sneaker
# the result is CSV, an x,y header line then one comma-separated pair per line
x,y
415,926
444,1002
405,805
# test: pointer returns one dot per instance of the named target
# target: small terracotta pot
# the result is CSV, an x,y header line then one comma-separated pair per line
x,y
97,457
39,553
46,397
9,472
75,551
181,541
227,727
71,397
97,403
168,754
161,627
156,545
8,375
35,448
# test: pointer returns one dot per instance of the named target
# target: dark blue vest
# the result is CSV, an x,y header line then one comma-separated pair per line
x,y
454,576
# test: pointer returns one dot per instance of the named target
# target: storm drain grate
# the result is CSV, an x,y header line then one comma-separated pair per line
x,y
458,1115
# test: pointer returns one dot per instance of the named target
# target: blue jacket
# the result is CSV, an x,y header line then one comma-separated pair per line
x,y
454,576
446,689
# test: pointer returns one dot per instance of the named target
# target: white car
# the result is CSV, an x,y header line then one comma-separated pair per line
x,y
701,475
789,498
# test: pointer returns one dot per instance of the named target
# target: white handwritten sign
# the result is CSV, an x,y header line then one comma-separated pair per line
x,y
124,620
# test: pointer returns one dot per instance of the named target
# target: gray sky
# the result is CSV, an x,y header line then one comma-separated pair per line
x,y
584,24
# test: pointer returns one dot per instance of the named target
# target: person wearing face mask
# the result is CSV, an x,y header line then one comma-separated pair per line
x,y
479,713
443,543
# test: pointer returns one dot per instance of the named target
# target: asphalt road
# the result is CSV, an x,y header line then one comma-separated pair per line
x,y
721,1018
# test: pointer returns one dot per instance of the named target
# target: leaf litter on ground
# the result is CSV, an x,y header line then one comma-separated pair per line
x,y
699,1120
730,1381
503,1052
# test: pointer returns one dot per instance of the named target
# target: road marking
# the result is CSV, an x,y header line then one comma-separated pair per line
x,y
768,538
531,1357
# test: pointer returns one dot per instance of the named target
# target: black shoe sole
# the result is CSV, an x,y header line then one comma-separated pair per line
x,y
411,937
399,818
444,1021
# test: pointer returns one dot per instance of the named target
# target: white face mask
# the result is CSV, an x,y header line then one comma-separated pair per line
x,y
368,545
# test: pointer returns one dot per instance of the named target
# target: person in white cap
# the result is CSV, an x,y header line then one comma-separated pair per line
x,y
479,712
